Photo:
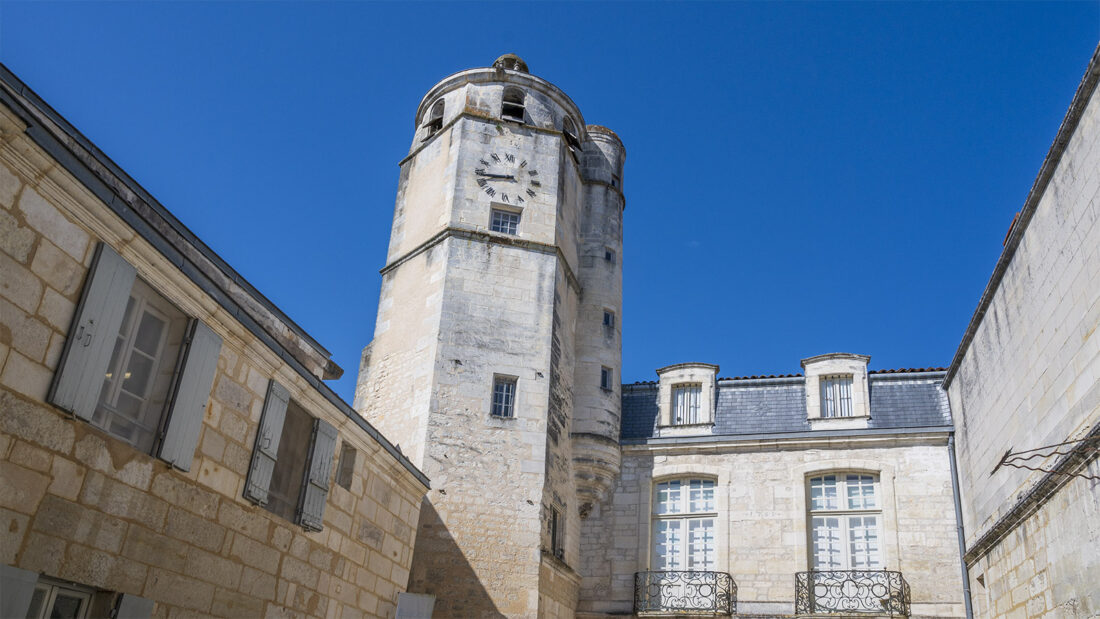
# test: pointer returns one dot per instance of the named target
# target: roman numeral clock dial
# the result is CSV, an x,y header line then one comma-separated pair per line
x,y
505,177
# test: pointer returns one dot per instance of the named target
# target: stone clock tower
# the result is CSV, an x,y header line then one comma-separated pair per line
x,y
496,354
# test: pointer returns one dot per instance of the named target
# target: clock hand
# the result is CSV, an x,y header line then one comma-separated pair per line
x,y
500,176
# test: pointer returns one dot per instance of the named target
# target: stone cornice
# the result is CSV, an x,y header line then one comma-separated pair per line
x,y
482,236
820,439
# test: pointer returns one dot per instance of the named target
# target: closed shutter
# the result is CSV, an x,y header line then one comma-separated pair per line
x,y
315,494
266,449
79,377
16,591
188,406
133,607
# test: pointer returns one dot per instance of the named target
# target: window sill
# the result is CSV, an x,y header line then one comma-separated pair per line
x,y
857,422
692,429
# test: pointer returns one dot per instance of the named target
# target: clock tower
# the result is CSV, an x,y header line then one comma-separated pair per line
x,y
496,353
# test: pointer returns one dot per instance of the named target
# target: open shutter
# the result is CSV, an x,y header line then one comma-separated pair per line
x,y
188,407
79,376
133,607
16,591
312,513
266,449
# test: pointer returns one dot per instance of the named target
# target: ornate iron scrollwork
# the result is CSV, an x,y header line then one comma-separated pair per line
x,y
689,592
848,591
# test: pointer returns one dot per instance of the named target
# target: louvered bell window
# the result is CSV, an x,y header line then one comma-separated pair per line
x,y
836,396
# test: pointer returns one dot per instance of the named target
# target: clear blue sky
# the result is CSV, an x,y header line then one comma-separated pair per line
x,y
801,178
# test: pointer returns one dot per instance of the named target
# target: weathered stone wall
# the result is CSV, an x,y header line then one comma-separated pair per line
x,y
80,505
762,535
1030,377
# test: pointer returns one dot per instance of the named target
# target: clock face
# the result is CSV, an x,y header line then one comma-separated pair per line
x,y
505,177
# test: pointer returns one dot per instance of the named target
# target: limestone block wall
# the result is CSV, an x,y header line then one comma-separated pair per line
x,y
80,505
762,536
1029,376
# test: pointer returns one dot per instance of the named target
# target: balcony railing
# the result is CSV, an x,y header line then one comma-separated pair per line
x,y
851,591
687,593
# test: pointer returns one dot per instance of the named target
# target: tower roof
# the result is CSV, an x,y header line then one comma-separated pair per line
x,y
511,61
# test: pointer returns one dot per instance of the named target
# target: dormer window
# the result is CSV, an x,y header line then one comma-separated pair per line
x,y
435,119
686,409
836,396
569,130
512,107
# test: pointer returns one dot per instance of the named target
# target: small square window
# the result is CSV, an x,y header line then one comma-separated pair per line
x,y
347,466
505,222
609,255
504,396
606,376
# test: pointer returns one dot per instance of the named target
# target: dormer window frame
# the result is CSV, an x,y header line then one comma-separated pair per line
x,y
837,391
698,382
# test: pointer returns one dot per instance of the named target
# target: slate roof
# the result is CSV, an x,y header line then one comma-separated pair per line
x,y
899,399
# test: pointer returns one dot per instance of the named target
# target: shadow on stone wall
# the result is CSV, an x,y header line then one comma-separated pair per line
x,y
440,568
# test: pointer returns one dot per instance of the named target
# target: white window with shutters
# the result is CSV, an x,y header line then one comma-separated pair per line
x,y
845,516
684,525
135,365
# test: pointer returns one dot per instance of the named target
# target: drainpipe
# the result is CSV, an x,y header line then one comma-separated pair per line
x,y
959,526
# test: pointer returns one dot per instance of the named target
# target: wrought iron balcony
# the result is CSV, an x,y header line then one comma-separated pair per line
x,y
851,591
684,593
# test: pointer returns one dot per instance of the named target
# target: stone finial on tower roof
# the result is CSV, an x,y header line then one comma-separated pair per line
x,y
512,62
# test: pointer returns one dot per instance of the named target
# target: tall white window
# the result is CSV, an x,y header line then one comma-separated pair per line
x,y
685,404
506,222
504,397
836,396
684,517
845,522
139,375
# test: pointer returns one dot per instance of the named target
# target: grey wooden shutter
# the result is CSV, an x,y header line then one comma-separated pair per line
x,y
188,407
266,449
312,513
16,591
79,376
133,607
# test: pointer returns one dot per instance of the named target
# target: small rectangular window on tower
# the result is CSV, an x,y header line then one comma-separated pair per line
x,y
504,396
606,376
609,255
505,222
557,533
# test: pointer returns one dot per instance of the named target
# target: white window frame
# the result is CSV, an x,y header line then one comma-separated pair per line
x,y
508,221
50,590
688,505
836,396
503,407
851,505
687,408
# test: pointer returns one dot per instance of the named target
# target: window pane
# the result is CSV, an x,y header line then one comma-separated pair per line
x,y
701,495
701,544
667,540
506,222
827,547
823,493
669,498
863,542
290,464
861,492
149,334
504,397
67,605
